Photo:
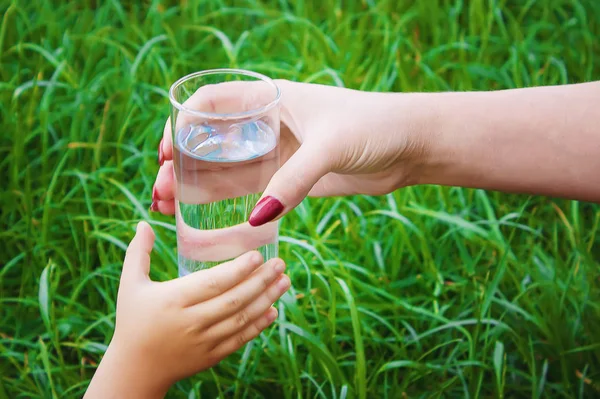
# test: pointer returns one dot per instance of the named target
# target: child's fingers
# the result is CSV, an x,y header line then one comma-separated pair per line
x,y
240,339
136,265
203,285
241,320
220,308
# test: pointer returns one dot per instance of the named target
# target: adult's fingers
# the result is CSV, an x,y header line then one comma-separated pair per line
x,y
216,183
163,192
164,207
203,285
251,313
240,339
165,147
222,98
227,97
232,301
290,184
164,186
136,265
306,161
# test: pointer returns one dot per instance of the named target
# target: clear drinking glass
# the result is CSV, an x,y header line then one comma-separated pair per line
x,y
225,130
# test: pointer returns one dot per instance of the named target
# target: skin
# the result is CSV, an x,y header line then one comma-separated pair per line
x,y
167,331
542,140
536,140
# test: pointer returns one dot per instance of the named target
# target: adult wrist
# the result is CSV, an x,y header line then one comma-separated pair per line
x,y
444,155
419,121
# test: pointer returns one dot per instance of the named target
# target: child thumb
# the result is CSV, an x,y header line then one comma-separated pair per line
x,y
137,258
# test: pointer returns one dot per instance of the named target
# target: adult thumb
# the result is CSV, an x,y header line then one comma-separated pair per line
x,y
289,185
136,266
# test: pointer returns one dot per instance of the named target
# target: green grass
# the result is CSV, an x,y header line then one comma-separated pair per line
x,y
426,292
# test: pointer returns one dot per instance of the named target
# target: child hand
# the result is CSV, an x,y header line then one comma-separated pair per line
x,y
166,331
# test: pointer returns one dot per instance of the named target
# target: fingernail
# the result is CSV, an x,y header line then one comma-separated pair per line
x,y
265,210
283,283
279,267
154,194
256,258
272,315
154,206
161,156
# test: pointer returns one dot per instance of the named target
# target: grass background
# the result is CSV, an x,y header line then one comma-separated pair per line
x,y
425,292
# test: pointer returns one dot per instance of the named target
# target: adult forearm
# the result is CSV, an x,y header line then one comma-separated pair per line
x,y
538,140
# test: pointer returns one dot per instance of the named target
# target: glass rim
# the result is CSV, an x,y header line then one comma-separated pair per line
x,y
231,115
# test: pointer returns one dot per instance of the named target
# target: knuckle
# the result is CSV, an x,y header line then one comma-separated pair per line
x,y
273,293
213,284
203,330
266,281
233,302
242,339
297,183
242,318
240,273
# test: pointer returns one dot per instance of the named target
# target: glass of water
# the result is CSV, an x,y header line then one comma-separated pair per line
x,y
225,130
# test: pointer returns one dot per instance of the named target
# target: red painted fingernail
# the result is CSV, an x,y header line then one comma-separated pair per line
x,y
265,210
154,206
154,194
161,156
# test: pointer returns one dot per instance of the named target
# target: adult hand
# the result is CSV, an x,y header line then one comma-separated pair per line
x,y
334,141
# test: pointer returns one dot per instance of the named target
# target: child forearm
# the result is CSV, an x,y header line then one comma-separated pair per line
x,y
114,378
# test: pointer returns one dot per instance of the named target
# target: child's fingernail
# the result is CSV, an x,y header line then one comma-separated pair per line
x,y
265,210
154,206
283,283
272,315
279,267
161,156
